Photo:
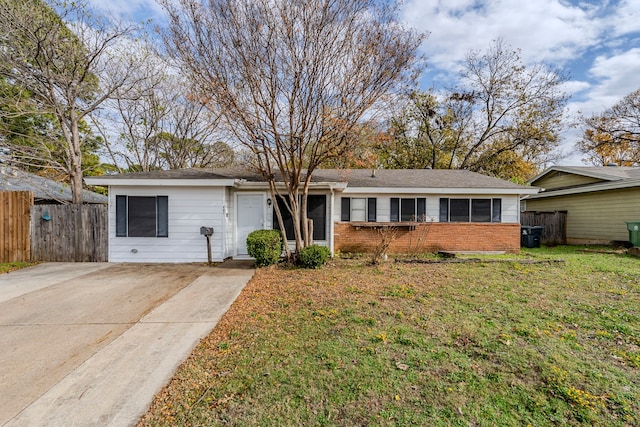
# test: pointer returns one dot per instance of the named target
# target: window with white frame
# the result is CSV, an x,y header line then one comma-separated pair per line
x,y
142,216
358,209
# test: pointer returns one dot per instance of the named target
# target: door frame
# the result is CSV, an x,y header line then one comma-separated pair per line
x,y
264,224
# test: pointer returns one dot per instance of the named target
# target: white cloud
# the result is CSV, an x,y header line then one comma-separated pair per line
x,y
135,11
626,18
615,74
546,30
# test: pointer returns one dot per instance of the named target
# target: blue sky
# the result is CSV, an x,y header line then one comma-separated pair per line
x,y
596,42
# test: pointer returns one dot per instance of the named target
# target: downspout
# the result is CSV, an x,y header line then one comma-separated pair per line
x,y
331,222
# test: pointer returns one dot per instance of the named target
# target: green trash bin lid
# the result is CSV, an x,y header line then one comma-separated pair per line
x,y
633,225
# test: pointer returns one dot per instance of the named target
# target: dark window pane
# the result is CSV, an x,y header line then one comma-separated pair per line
x,y
444,210
163,216
317,211
459,210
421,209
345,206
395,210
286,217
142,216
121,216
408,210
371,209
497,211
481,210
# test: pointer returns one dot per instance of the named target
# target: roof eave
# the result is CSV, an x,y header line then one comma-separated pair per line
x,y
441,190
616,185
567,169
156,182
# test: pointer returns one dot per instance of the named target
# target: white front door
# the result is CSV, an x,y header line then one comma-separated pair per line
x,y
250,208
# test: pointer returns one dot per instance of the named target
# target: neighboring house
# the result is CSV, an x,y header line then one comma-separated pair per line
x,y
598,200
45,191
156,216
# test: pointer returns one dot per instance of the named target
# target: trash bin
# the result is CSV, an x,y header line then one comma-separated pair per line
x,y
634,232
530,236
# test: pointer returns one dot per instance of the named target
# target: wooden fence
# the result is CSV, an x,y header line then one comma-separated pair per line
x,y
14,225
554,223
68,233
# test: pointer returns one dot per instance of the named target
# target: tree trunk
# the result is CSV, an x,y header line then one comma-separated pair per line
x,y
276,207
75,160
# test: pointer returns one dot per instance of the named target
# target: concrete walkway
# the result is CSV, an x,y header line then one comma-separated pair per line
x,y
90,344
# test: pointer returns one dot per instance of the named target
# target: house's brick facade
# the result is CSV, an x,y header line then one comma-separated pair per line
x,y
430,237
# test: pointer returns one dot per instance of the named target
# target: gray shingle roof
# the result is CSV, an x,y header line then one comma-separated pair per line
x,y
223,173
390,178
14,179
413,178
607,173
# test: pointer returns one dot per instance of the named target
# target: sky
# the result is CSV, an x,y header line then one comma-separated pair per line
x,y
597,42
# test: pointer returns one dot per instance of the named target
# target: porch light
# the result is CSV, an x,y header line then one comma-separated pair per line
x,y
269,201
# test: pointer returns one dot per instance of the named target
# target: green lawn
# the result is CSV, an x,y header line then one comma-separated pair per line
x,y
6,267
485,344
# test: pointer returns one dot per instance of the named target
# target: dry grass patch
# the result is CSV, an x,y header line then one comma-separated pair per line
x,y
398,344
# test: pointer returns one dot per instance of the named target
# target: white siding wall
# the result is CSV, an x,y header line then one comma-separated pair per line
x,y
189,209
510,206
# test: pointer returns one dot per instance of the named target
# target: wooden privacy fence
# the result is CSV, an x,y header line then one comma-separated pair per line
x,y
14,225
554,223
68,233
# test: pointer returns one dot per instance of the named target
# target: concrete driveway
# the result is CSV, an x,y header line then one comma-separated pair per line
x,y
90,344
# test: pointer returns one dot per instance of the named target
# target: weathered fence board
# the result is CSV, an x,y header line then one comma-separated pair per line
x,y
69,233
14,225
554,223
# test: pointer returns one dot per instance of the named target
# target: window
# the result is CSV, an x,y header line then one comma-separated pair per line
x,y
408,210
470,210
138,216
316,211
358,209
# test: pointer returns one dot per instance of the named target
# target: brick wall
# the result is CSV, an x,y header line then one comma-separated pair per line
x,y
431,237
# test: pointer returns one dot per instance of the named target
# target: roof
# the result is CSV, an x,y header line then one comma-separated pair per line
x,y
180,174
14,179
613,178
607,173
353,179
415,178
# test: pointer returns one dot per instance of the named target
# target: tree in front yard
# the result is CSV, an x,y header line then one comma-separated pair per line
x,y
292,79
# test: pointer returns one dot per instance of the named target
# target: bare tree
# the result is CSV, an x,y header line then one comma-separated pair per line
x,y
70,60
161,126
503,119
292,78
516,109
614,135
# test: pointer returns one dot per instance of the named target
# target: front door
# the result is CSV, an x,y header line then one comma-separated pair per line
x,y
250,217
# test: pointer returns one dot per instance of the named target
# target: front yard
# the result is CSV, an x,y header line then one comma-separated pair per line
x,y
422,344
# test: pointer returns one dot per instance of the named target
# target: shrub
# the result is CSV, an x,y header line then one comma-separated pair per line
x,y
265,246
314,256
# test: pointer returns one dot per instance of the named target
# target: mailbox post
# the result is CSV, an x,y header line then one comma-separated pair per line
x,y
207,232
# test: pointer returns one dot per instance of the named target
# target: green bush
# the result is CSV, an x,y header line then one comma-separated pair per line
x,y
265,246
314,256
